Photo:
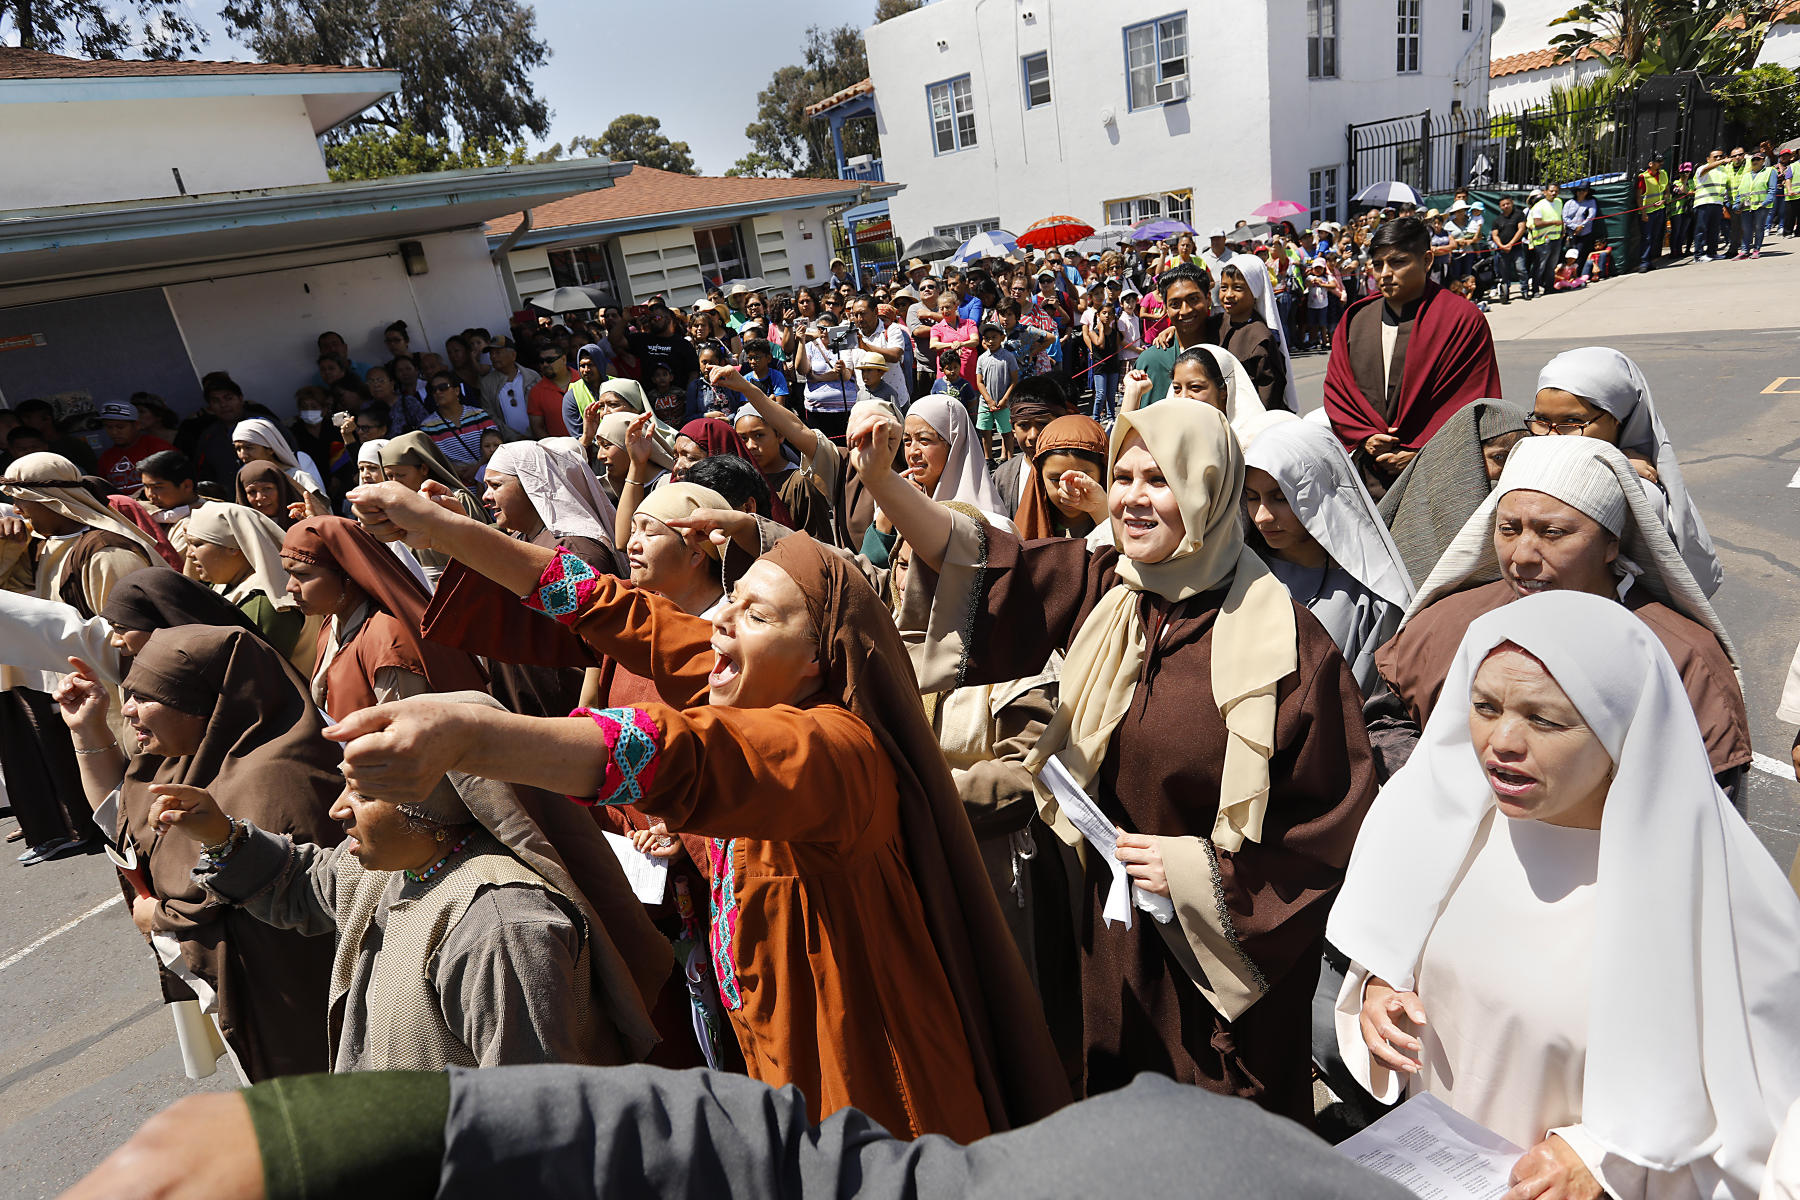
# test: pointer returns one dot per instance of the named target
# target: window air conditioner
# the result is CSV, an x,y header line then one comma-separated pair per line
x,y
1171,90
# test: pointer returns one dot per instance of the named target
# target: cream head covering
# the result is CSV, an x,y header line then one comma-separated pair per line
x,y
1254,643
632,392
1256,275
298,466
1613,383
55,482
1595,478
615,428
1693,1037
1244,409
369,453
672,501
965,474
554,475
254,536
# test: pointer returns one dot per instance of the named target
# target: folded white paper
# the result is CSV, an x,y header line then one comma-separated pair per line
x,y
649,877
1103,835
1432,1150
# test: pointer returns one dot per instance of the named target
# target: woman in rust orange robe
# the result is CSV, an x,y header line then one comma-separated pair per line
x,y
851,915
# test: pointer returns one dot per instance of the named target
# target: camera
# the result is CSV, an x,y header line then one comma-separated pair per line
x,y
841,337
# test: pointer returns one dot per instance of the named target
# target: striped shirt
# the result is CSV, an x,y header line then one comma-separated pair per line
x,y
460,442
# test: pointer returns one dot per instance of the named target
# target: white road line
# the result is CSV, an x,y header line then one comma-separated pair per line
x,y
95,911
1760,761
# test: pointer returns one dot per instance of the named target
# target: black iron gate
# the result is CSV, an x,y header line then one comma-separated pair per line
x,y
1528,145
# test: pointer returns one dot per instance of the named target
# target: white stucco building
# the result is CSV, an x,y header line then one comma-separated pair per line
x,y
1005,111
655,232
160,220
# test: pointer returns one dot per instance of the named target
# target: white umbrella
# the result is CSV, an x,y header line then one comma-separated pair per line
x,y
568,300
1107,237
1388,192
995,243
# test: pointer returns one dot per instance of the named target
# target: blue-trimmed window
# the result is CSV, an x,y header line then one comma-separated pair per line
x,y
1036,71
1156,61
952,104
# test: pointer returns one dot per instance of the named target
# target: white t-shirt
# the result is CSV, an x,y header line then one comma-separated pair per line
x,y
510,400
893,337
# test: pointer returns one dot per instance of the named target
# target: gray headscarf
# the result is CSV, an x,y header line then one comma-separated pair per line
x,y
1610,381
1431,501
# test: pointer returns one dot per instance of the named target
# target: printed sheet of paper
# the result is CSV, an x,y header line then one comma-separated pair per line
x,y
1103,836
649,877
1435,1152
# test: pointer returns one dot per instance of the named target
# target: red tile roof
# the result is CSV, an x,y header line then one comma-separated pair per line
x,y
860,88
16,63
647,191
1537,60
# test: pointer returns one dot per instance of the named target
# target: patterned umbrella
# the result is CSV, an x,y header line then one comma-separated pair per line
x,y
995,243
1274,210
1054,231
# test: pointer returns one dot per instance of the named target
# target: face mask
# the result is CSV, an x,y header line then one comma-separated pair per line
x,y
312,416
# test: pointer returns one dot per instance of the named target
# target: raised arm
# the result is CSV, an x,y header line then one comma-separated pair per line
x,y
85,707
874,439
393,512
788,427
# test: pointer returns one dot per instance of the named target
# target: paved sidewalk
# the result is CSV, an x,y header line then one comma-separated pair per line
x,y
1687,298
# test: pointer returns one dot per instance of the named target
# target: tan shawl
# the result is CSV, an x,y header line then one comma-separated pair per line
x,y
1254,643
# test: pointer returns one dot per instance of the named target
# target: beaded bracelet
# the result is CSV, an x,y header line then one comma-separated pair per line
x,y
220,851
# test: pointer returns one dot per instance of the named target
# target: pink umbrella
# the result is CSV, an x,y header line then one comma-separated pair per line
x,y
1275,210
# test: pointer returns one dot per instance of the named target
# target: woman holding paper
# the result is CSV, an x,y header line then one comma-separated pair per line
x,y
1559,926
1210,719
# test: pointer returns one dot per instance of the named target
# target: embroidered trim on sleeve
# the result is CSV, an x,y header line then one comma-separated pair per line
x,y
565,587
722,934
632,743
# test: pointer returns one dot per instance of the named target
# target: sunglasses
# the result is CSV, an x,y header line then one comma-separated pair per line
x,y
548,359
443,387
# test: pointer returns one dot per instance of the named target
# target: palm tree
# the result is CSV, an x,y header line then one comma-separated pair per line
x,y
1661,37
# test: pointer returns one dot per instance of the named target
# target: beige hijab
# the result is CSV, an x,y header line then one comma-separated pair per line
x,y
55,482
1254,640
673,501
254,536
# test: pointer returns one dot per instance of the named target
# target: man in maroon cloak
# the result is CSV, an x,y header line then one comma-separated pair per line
x,y
1404,360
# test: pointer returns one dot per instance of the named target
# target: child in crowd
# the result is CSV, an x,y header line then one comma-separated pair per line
x,y
703,399
995,374
1568,276
1464,286
1599,261
1027,343
667,401
771,380
490,444
1318,307
950,381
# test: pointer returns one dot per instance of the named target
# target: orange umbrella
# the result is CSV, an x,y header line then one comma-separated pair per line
x,y
1053,231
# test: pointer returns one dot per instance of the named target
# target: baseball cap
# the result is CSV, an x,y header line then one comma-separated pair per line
x,y
1572,254
1219,232
1536,194
118,410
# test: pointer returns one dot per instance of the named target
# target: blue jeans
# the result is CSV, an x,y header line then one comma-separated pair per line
x,y
1653,236
1509,265
1755,227
1706,229
1105,387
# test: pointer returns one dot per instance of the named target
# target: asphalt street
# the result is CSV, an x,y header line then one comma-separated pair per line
x,y
87,1053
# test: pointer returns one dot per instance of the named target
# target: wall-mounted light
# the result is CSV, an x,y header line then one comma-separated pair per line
x,y
413,255
943,45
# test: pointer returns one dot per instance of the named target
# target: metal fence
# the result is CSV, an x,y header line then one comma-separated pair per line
x,y
1520,147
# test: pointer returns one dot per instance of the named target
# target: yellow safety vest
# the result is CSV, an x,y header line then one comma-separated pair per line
x,y
1710,187
1793,183
1543,235
1656,187
1751,189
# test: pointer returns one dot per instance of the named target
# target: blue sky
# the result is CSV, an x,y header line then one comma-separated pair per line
x,y
696,64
